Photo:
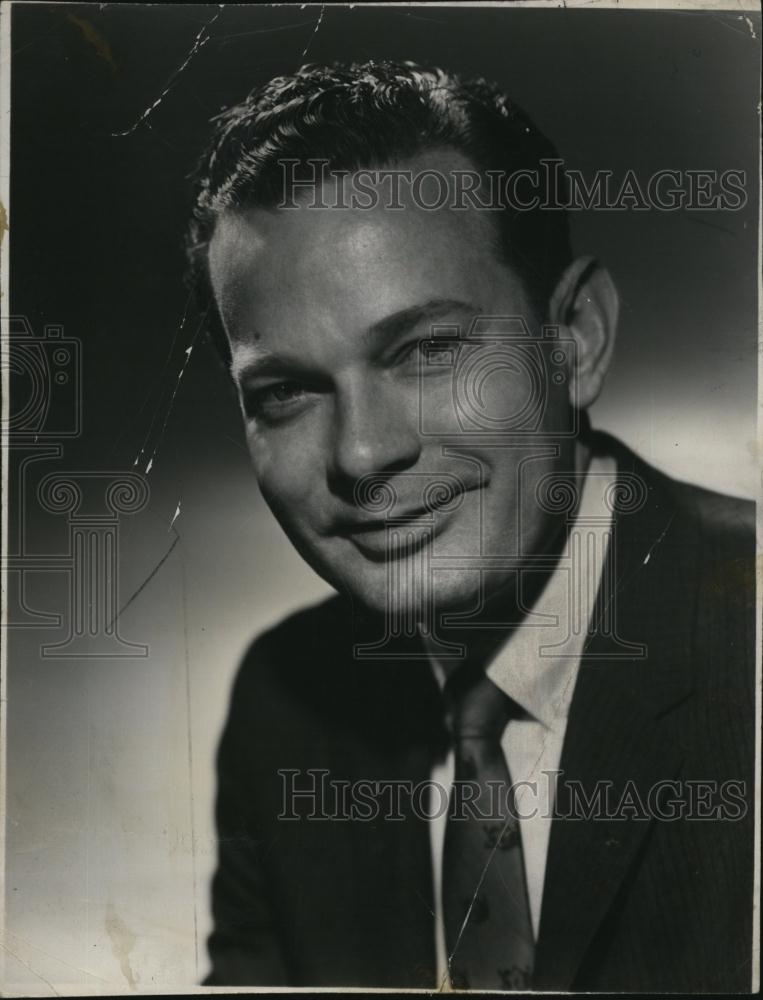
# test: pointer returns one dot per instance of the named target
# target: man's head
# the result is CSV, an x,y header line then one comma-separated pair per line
x,y
333,321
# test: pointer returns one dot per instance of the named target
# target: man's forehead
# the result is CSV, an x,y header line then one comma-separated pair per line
x,y
244,236
276,271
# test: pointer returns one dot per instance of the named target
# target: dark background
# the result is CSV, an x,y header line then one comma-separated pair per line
x,y
110,841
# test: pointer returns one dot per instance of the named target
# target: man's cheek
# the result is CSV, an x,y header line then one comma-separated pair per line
x,y
289,483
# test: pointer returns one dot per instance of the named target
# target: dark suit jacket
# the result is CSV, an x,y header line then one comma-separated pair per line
x,y
631,902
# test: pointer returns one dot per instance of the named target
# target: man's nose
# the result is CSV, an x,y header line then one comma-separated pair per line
x,y
372,434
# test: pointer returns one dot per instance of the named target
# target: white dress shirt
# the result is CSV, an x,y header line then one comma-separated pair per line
x,y
537,668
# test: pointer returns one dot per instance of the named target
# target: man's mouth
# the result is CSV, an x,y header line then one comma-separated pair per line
x,y
405,529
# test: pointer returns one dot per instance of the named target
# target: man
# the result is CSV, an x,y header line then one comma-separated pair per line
x,y
529,618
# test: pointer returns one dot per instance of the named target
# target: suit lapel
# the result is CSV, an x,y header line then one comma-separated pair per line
x,y
615,754
619,741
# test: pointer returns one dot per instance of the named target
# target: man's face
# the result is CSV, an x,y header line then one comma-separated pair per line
x,y
330,316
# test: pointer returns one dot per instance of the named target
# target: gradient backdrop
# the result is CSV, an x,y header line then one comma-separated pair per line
x,y
110,841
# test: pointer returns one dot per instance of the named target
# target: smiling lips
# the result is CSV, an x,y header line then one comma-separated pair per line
x,y
369,534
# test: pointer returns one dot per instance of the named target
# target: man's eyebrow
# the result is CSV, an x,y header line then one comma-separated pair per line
x,y
267,364
407,319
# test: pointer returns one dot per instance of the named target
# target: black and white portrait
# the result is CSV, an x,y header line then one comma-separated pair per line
x,y
380,472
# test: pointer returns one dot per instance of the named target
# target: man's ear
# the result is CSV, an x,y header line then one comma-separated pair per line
x,y
585,305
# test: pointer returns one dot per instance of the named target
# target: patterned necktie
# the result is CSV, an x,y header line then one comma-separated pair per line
x,y
488,930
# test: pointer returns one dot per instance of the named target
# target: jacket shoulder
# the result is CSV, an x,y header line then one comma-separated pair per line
x,y
296,656
715,516
306,628
723,529
718,514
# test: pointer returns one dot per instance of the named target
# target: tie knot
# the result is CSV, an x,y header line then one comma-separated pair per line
x,y
474,707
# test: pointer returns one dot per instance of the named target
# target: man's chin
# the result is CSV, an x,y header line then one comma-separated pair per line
x,y
398,591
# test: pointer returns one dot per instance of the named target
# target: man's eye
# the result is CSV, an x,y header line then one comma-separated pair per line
x,y
284,391
430,351
272,401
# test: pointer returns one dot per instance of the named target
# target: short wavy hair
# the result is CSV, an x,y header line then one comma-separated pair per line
x,y
368,116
